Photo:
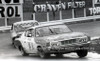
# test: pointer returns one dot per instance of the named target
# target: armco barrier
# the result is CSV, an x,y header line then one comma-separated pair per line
x,y
76,20
4,28
67,21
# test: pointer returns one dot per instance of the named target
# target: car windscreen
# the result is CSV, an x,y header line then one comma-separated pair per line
x,y
60,29
43,31
22,27
52,30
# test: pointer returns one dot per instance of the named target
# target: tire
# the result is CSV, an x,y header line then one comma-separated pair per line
x,y
13,44
23,52
12,41
42,54
59,55
82,53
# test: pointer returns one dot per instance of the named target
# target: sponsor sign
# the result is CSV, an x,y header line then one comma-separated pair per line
x,y
10,8
57,7
96,1
10,11
11,1
93,11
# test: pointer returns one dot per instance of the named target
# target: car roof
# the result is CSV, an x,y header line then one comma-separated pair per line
x,y
24,22
46,24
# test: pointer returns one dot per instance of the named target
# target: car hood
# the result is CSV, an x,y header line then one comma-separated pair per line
x,y
66,36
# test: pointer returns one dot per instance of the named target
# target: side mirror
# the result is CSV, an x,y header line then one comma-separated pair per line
x,y
18,35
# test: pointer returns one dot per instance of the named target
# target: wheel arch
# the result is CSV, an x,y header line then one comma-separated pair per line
x,y
39,46
19,45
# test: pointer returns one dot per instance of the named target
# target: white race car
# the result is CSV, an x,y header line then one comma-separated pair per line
x,y
19,27
55,38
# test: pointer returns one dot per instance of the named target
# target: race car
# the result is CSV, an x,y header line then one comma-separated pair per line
x,y
52,38
19,27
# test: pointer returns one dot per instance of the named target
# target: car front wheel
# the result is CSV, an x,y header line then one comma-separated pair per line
x,y
82,53
42,54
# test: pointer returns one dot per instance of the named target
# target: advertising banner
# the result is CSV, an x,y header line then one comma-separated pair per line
x,y
10,8
11,1
10,11
96,1
93,11
58,6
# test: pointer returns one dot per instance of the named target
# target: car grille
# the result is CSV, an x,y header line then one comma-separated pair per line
x,y
68,41
71,41
82,40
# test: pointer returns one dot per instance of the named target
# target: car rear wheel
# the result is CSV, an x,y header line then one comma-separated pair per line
x,y
13,42
14,45
42,54
82,53
23,52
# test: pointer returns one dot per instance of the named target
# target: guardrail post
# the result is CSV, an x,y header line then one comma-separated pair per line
x,y
33,16
22,12
60,12
47,14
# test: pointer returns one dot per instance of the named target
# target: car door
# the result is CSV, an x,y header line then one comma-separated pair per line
x,y
30,44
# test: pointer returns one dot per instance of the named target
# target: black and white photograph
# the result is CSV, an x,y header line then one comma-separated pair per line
x,y
49,30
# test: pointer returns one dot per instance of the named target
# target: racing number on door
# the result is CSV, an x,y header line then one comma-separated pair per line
x,y
30,46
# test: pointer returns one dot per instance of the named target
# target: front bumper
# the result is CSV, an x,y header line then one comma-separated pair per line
x,y
67,48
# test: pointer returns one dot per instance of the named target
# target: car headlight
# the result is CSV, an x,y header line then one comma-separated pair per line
x,y
85,39
54,44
